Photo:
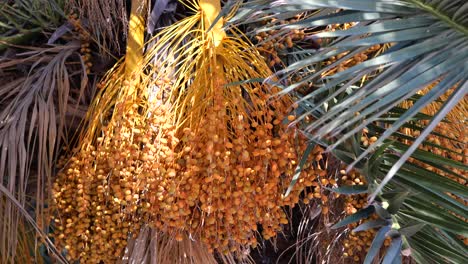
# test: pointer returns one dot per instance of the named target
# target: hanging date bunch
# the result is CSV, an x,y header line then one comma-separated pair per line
x,y
236,155
97,193
182,144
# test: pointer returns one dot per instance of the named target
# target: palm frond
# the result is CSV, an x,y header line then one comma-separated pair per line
x,y
425,49
21,21
424,63
35,109
154,246
423,191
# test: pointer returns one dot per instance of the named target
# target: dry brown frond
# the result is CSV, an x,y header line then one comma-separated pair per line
x,y
152,246
34,111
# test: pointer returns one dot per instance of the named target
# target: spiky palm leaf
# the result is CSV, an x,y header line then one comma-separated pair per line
x,y
430,42
428,46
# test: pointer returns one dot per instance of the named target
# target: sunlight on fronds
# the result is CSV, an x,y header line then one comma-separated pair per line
x,y
34,112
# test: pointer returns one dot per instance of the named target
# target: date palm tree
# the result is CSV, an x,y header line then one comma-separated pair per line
x,y
380,84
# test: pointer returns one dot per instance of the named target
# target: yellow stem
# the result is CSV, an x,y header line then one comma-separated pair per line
x,y
135,39
211,10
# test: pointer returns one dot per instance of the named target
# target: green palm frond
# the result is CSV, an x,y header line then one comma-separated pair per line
x,y
429,44
23,20
426,59
418,195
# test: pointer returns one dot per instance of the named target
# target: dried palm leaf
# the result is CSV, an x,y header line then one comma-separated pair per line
x,y
156,247
34,112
